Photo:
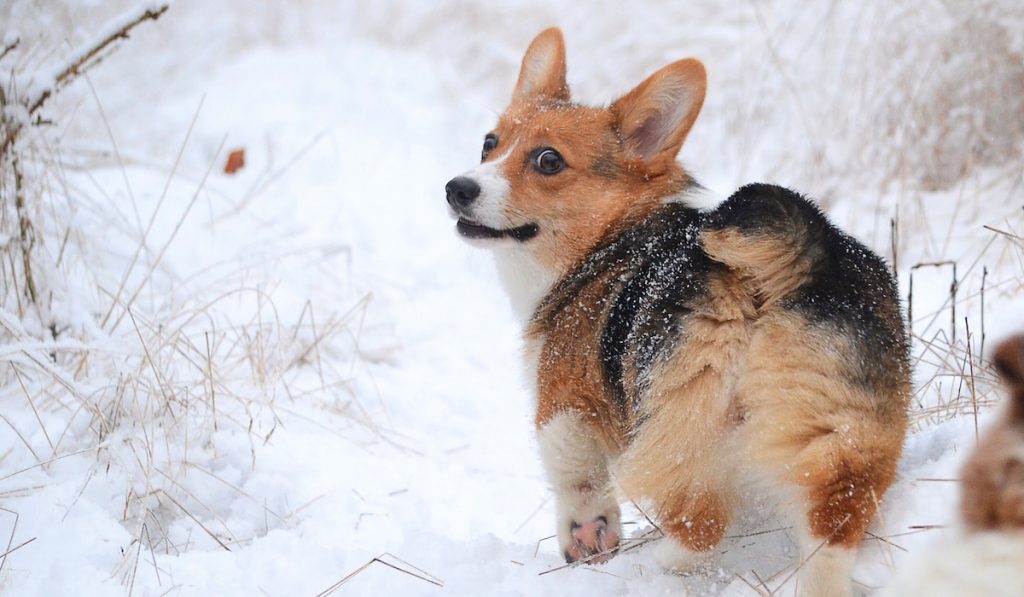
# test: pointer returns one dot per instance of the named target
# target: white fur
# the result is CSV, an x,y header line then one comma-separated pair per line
x,y
697,197
825,570
489,209
531,363
536,70
985,564
578,471
670,555
525,280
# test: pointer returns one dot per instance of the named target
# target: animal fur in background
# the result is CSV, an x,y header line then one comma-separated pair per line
x,y
985,555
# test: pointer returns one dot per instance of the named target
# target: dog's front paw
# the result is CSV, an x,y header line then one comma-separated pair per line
x,y
592,542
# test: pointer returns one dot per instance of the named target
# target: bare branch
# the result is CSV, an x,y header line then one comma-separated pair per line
x,y
25,231
79,61
9,48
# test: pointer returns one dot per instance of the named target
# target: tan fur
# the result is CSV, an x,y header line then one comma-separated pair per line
x,y
801,422
572,381
673,462
770,265
815,430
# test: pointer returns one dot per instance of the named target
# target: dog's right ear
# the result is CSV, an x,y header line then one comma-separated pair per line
x,y
656,116
1009,361
543,71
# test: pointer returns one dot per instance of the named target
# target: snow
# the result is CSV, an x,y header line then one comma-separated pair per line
x,y
399,422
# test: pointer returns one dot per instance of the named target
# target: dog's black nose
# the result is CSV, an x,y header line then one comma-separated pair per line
x,y
461,191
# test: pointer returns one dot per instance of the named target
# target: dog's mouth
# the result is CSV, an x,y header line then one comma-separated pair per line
x,y
470,229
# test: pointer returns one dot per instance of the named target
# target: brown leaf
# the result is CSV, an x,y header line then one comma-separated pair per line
x,y
236,161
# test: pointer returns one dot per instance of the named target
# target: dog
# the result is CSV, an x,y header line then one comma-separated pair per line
x,y
985,553
685,359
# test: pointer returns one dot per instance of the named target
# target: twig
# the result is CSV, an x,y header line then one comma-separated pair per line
x,y
9,48
32,404
763,583
10,540
209,376
423,575
170,239
984,277
25,235
536,549
38,464
1004,233
532,514
20,436
80,61
846,519
954,285
195,520
884,540
626,545
153,216
894,235
16,548
974,393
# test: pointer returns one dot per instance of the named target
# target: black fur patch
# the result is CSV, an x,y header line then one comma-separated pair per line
x,y
659,269
606,166
850,290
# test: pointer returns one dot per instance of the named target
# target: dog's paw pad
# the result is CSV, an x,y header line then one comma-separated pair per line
x,y
592,542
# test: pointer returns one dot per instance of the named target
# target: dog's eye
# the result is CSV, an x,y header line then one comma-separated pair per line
x,y
548,161
490,142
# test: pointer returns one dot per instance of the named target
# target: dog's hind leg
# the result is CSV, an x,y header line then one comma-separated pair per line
x,y
678,460
831,441
840,476
694,524
588,515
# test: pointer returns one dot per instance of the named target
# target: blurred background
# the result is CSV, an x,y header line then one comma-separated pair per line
x,y
255,379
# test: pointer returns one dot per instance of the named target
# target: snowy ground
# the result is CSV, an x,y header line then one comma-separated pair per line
x,y
316,371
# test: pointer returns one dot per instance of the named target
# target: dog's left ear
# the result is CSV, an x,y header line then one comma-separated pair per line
x,y
656,116
543,71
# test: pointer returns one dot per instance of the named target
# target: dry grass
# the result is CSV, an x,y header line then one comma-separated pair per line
x,y
145,387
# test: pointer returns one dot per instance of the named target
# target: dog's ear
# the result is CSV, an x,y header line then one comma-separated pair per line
x,y
655,117
543,69
1009,361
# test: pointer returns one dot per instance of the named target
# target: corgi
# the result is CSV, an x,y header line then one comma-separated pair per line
x,y
985,554
684,359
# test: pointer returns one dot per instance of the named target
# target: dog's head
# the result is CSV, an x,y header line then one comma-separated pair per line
x,y
555,177
992,496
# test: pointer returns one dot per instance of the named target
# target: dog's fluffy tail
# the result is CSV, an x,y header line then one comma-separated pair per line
x,y
772,237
